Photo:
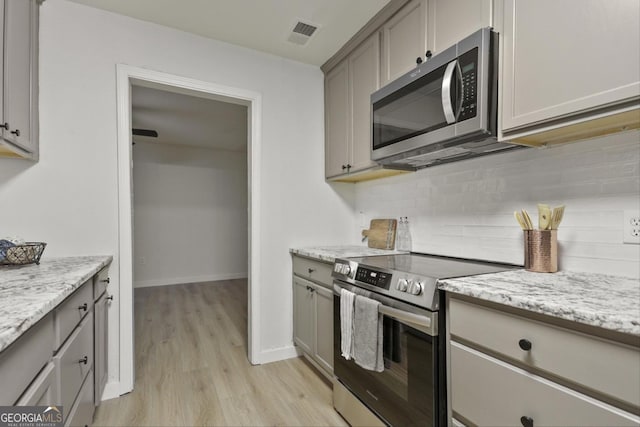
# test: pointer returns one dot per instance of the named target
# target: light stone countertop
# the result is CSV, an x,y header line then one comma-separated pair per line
x,y
30,292
330,253
608,302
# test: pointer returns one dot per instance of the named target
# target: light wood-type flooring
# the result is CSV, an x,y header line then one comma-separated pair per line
x,y
192,367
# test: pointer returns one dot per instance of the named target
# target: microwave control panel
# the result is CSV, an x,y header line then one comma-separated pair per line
x,y
469,67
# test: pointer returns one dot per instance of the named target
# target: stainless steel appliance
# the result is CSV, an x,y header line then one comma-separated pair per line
x,y
444,110
411,391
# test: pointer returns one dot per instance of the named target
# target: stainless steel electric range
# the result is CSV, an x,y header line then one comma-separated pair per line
x,y
411,390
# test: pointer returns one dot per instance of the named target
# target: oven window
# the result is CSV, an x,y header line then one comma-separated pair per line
x,y
413,110
405,393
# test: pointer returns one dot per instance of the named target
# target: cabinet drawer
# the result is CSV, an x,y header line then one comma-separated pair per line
x,y
21,362
44,389
489,392
313,270
81,413
100,282
603,366
71,370
68,314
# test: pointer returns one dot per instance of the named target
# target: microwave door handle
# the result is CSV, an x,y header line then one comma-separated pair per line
x,y
447,80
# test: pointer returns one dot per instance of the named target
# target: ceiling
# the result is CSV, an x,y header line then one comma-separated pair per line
x,y
262,25
188,120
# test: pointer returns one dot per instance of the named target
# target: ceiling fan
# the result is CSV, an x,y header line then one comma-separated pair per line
x,y
144,132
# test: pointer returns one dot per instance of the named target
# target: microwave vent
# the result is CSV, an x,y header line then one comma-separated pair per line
x,y
302,32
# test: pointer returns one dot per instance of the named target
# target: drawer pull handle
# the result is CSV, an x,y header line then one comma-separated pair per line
x,y
110,298
107,280
525,345
83,307
84,360
526,421
311,270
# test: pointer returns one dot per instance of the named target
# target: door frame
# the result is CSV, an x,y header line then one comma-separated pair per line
x,y
126,76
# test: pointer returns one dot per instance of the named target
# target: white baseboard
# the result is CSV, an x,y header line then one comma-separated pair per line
x,y
111,390
193,279
277,354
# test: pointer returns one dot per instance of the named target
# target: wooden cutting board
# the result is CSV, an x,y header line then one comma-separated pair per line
x,y
381,233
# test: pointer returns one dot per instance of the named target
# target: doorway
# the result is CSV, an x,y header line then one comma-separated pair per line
x,y
128,77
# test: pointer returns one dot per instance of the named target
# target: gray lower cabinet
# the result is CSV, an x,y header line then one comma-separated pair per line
x,y
19,78
537,373
101,333
313,312
53,363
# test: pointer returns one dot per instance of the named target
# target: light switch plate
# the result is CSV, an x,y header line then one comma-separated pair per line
x,y
631,227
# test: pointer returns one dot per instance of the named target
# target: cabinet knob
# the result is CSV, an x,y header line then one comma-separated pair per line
x,y
348,166
86,359
418,60
16,132
107,280
525,345
428,54
311,270
83,307
5,125
526,421
110,298
343,167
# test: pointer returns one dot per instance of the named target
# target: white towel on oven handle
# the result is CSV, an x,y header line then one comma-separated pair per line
x,y
347,299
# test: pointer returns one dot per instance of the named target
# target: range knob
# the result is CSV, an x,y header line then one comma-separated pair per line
x,y
416,288
402,285
346,269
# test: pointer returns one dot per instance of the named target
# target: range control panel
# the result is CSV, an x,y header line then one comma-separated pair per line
x,y
373,277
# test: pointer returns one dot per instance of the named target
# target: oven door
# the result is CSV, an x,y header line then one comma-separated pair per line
x,y
408,391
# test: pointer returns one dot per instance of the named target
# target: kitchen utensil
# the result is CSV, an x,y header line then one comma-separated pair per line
x,y
556,217
544,217
518,217
527,219
381,233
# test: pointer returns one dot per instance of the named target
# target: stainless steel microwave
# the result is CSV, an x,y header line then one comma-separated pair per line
x,y
442,111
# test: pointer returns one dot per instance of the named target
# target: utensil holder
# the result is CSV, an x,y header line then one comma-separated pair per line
x,y
541,251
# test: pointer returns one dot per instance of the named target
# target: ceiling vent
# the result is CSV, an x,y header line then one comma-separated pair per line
x,y
302,32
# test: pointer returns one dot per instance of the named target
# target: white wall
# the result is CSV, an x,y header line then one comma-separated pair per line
x,y
466,209
189,213
69,198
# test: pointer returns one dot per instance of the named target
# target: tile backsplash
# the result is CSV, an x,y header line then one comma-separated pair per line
x,y
466,209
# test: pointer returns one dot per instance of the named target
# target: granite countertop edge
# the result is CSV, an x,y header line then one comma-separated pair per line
x,y
29,293
593,299
330,253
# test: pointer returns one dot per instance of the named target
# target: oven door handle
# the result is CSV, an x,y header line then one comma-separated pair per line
x,y
421,323
428,325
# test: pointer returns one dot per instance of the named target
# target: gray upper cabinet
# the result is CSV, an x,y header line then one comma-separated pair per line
x,y
404,39
19,93
348,89
337,120
568,60
452,20
364,78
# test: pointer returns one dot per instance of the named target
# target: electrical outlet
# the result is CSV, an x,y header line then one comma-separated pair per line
x,y
631,227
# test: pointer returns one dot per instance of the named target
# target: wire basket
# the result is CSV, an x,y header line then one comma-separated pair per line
x,y
26,253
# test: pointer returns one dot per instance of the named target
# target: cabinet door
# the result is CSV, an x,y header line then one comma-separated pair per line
x,y
324,327
20,20
101,333
364,78
337,120
452,20
404,38
43,391
303,314
561,58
